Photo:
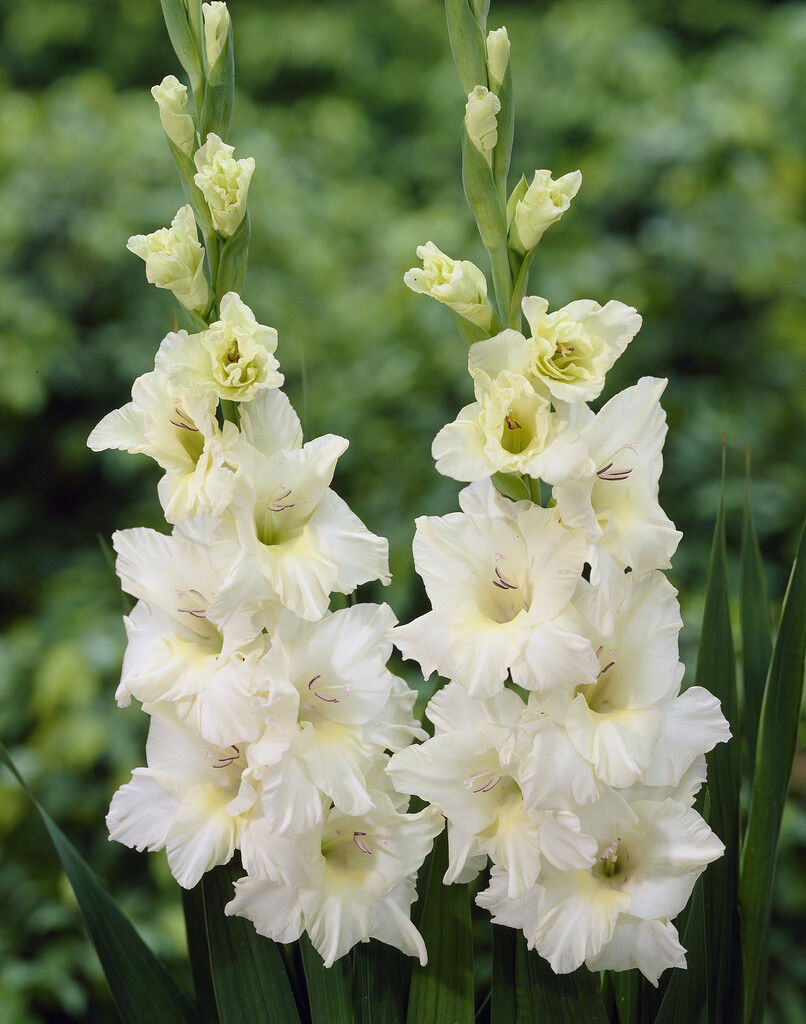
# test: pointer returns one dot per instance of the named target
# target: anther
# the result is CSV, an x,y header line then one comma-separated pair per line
x,y
276,505
358,839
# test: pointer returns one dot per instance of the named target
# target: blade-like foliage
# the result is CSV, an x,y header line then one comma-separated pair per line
x,y
777,737
754,611
382,974
199,953
502,998
716,671
442,991
249,977
686,998
140,985
329,989
565,998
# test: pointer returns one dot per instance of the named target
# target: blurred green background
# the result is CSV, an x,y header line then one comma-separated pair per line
x,y
688,121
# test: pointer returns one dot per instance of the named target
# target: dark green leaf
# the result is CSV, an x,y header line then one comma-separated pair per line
x,y
626,987
249,977
565,998
140,985
199,953
442,991
716,671
755,620
777,738
525,1012
468,45
382,975
329,988
686,997
503,1000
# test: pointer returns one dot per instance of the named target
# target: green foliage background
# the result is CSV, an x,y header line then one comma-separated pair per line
x,y
688,122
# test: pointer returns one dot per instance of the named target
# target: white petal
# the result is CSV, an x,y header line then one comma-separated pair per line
x,y
651,946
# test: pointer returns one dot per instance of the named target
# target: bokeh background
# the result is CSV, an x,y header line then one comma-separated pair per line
x,y
688,121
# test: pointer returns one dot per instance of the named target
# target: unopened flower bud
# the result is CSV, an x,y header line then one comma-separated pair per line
x,y
174,259
544,202
172,98
481,122
216,27
497,55
224,183
458,283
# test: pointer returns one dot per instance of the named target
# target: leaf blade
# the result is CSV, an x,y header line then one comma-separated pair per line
x,y
140,985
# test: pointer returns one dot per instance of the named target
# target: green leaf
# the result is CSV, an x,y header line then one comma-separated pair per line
x,y
503,1000
565,998
716,671
686,997
199,953
442,991
193,194
330,989
233,260
512,486
249,976
525,1012
176,21
777,739
521,284
219,94
140,985
626,987
468,45
382,974
754,611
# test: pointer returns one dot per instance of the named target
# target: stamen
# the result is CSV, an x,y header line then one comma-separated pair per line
x,y
184,420
197,613
502,582
225,762
513,423
616,475
276,505
328,700
610,858
490,784
605,669
358,839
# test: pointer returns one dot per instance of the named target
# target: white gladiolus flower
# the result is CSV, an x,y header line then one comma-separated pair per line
x,y
510,428
615,723
232,359
328,701
287,539
176,652
481,122
361,883
172,98
616,914
216,26
179,431
575,346
616,506
224,183
497,55
545,201
195,799
470,771
174,259
500,587
458,283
